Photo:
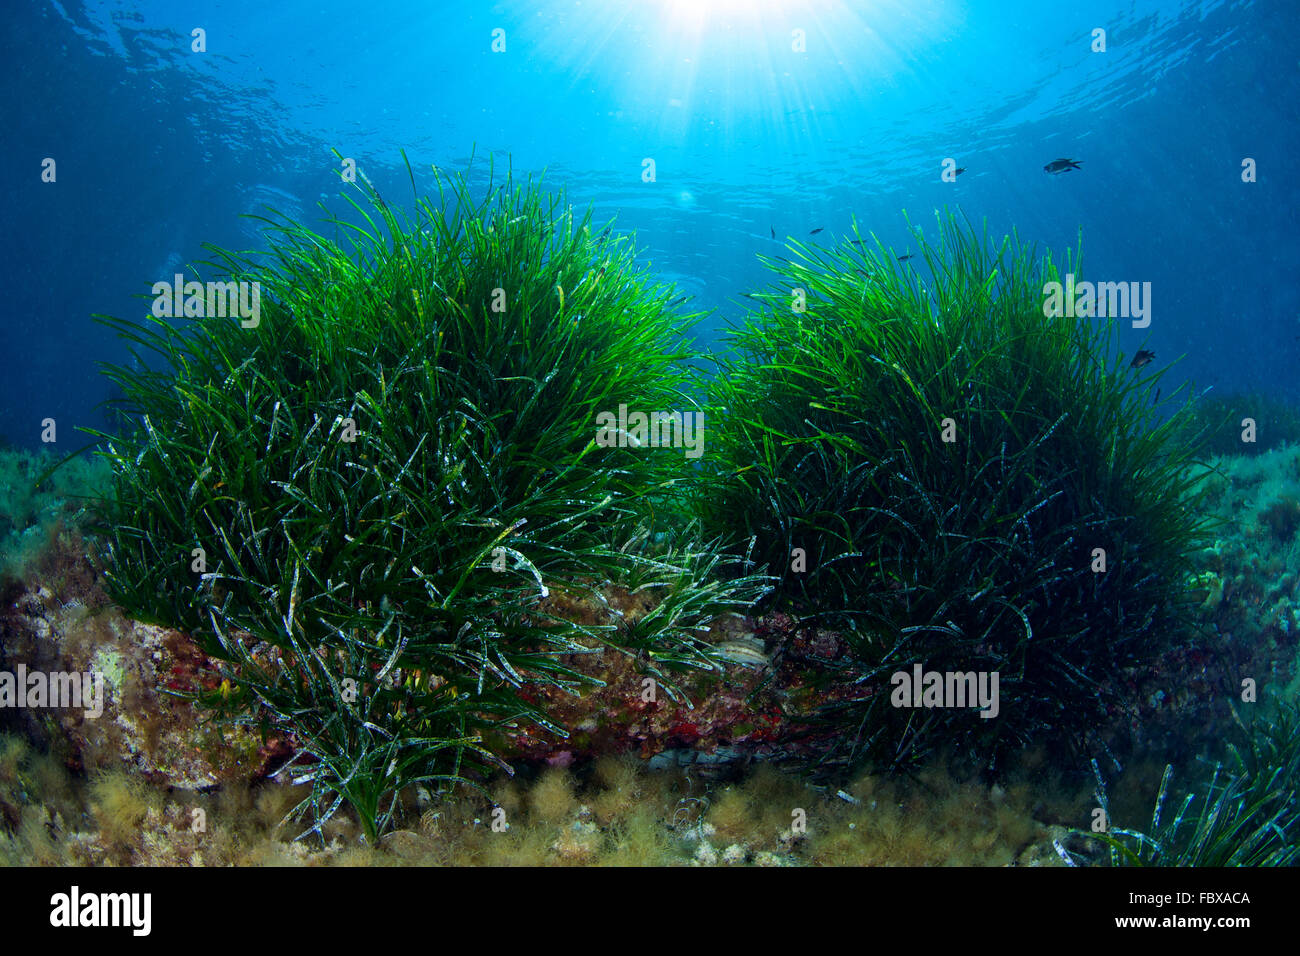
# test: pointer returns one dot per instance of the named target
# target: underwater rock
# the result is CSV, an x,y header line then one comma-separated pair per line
x,y
756,706
717,715
722,721
760,705
138,668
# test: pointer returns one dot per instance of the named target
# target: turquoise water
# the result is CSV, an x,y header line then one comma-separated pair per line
x,y
760,117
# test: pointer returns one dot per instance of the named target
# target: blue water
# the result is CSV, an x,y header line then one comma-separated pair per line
x,y
160,149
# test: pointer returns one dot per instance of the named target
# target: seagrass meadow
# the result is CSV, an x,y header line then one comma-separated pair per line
x,y
367,580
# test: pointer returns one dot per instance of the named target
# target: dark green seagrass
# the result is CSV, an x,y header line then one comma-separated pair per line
x,y
935,467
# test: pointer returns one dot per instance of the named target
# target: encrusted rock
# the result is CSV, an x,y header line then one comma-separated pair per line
x,y
134,666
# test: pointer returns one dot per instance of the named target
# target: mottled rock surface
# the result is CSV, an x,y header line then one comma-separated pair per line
x,y
144,726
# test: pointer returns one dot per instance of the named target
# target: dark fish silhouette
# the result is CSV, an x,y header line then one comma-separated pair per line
x,y
817,230
960,170
906,257
1058,166
1143,357
773,228
858,242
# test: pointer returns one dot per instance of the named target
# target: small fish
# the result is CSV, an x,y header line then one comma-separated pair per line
x,y
1143,357
1058,166
773,228
678,301
906,257
960,170
817,230
858,242
745,650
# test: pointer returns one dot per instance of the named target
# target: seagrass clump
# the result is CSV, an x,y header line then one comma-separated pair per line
x,y
362,499
956,481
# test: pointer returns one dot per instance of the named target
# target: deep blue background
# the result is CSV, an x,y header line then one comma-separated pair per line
x,y
160,149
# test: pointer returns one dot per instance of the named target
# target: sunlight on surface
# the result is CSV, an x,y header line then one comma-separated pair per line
x,y
721,74
702,13
777,63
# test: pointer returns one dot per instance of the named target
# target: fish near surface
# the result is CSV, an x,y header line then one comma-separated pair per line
x,y
1143,357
